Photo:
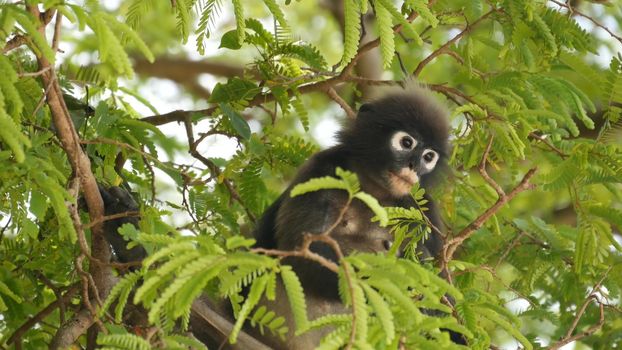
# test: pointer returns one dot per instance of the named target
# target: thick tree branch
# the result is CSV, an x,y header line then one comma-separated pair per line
x,y
224,327
72,330
81,166
184,70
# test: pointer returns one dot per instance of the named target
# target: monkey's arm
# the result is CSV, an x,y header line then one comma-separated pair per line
x,y
119,201
289,218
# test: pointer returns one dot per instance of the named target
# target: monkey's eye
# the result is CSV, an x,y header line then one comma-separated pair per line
x,y
406,142
430,158
402,141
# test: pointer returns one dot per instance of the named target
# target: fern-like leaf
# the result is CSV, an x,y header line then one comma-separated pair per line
x,y
296,298
382,310
238,11
206,22
351,30
123,341
252,299
385,29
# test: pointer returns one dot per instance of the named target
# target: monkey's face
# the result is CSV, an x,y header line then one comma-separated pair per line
x,y
411,159
398,141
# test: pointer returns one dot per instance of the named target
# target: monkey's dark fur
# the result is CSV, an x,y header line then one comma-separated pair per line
x,y
390,146
365,147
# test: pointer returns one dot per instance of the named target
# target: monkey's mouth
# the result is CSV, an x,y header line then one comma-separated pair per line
x,y
401,182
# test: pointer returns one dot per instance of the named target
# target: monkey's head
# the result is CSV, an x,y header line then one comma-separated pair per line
x,y
399,140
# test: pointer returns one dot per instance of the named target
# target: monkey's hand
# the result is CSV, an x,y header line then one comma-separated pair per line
x,y
118,201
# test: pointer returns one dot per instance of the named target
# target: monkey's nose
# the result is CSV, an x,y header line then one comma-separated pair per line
x,y
387,244
411,165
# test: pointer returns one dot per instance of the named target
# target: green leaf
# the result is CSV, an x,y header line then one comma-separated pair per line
x,y
320,183
373,204
230,40
238,11
29,228
38,204
4,289
239,124
239,241
351,31
235,89
385,28
296,298
382,310
257,288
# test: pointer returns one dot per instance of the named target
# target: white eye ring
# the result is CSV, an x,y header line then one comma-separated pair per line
x,y
429,158
402,141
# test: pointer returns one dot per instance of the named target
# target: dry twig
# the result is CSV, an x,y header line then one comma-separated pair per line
x,y
450,246
592,296
572,10
445,47
341,102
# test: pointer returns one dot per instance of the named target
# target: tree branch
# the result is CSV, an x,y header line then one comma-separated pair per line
x,y
192,149
81,166
592,296
484,173
453,243
15,42
19,39
184,70
572,10
453,40
72,330
38,317
344,105
344,76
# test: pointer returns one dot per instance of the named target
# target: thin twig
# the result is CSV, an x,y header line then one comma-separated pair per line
x,y
450,42
572,10
33,74
15,42
213,168
57,292
340,101
592,296
45,93
484,173
124,214
545,141
36,318
453,243
509,248
151,180
5,227
57,28
302,253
